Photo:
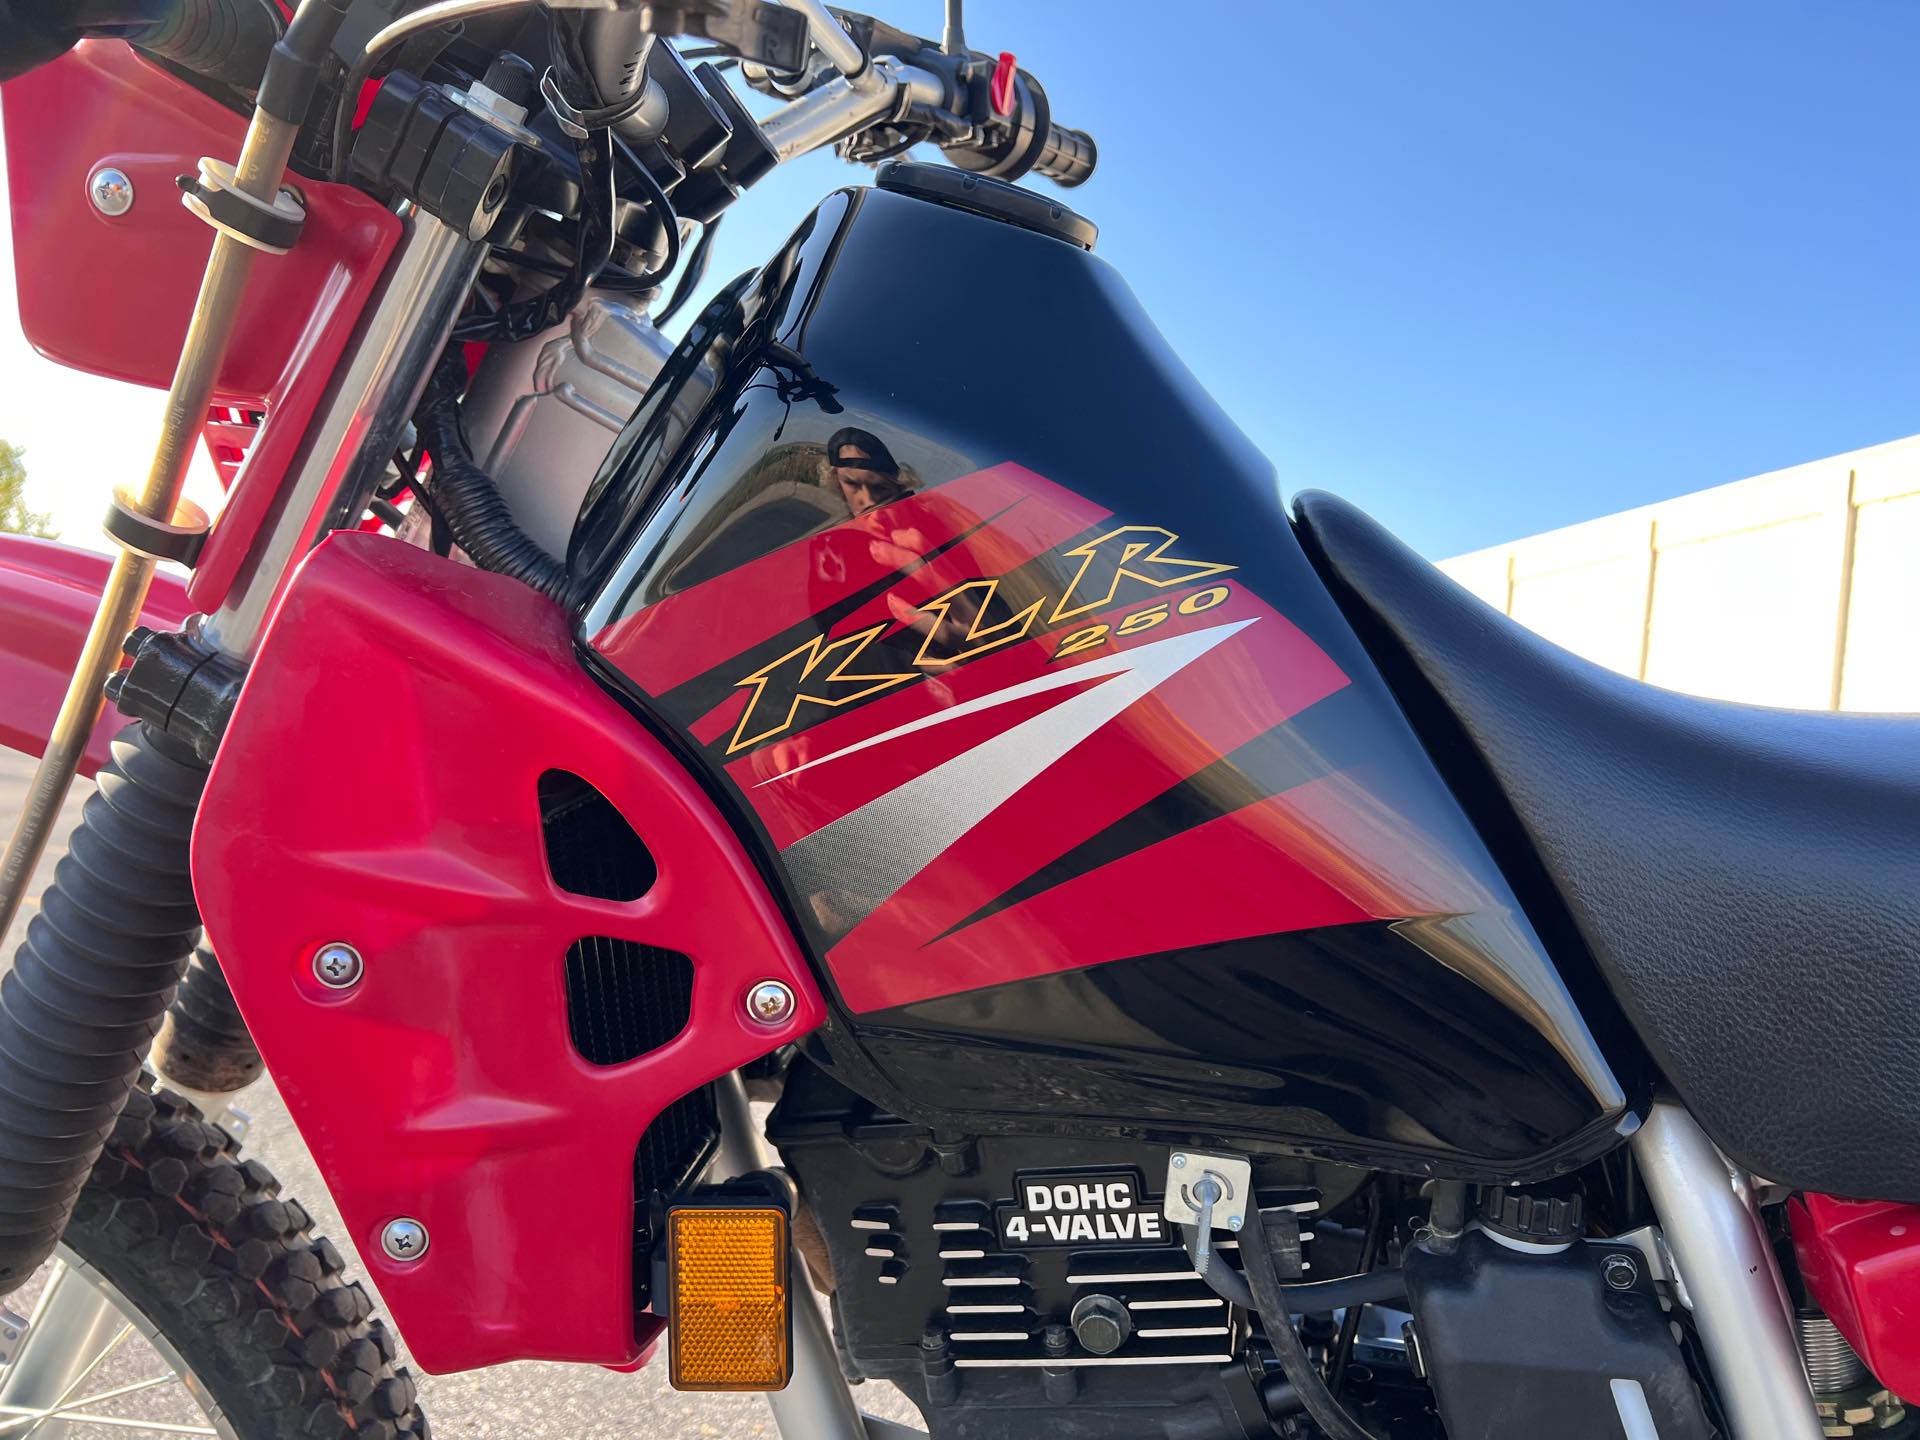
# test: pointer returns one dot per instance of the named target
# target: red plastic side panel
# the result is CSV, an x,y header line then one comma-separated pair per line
x,y
1861,1263
444,1086
48,592
113,294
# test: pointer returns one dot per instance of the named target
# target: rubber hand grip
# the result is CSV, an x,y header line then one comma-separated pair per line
x,y
1069,156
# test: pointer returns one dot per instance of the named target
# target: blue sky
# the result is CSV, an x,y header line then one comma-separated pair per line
x,y
1485,268
1490,268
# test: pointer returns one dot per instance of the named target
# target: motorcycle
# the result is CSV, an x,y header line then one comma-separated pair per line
x,y
1210,976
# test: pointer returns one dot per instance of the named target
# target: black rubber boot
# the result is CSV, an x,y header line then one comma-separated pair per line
x,y
90,984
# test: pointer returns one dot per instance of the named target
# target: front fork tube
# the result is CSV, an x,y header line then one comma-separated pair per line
x,y
1713,1229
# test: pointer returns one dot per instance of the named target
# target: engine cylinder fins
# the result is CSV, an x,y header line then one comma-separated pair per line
x,y
1831,1362
1847,1396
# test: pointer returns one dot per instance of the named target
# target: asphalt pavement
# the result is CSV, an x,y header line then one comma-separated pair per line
x,y
527,1401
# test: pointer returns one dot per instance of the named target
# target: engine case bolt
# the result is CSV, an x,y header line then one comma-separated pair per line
x,y
770,1003
404,1240
110,191
1101,1324
1619,1272
338,966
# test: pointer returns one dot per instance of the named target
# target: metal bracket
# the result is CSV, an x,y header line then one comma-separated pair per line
x,y
1648,1240
13,1333
578,124
1234,1176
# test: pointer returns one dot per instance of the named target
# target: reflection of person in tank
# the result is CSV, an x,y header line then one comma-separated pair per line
x,y
864,470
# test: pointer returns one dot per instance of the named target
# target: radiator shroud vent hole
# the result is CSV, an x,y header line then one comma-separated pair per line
x,y
591,849
625,999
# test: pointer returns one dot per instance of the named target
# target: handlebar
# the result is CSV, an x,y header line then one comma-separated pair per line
x,y
905,86
836,109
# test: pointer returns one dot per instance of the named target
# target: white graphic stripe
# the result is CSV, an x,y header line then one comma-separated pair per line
x,y
867,854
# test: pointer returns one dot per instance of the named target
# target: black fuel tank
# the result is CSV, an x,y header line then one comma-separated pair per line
x,y
1093,812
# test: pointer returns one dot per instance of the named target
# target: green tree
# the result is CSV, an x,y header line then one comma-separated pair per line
x,y
14,515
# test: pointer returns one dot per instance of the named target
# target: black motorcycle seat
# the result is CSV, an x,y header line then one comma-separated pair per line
x,y
1747,880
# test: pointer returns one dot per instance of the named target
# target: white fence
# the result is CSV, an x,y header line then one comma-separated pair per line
x,y
1798,588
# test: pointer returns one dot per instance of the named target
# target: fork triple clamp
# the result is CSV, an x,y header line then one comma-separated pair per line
x,y
178,682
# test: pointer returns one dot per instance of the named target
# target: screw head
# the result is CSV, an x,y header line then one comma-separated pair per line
x,y
110,190
338,966
1179,1162
1234,1222
404,1240
770,1003
1619,1271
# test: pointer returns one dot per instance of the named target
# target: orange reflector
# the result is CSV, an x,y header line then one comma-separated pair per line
x,y
727,1277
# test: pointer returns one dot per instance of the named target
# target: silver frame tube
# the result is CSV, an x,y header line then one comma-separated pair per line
x,y
817,1403
1713,1231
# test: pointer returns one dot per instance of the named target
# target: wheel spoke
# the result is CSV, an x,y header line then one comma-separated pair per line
x,y
72,1328
161,1427
33,1420
71,1405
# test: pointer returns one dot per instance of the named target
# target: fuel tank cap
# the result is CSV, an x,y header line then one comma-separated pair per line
x,y
997,200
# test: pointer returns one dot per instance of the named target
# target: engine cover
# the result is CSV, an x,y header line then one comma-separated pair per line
x,y
996,1278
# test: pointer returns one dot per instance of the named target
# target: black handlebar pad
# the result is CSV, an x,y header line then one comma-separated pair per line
x,y
1068,157
227,41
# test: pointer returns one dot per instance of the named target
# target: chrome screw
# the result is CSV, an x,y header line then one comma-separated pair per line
x,y
13,1331
1179,1162
338,966
110,190
1619,1271
404,1239
1234,1222
770,1003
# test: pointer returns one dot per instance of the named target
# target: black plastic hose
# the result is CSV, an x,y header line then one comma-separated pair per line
x,y
89,985
1321,1297
465,496
1271,1303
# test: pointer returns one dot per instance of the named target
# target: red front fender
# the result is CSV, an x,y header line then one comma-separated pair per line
x,y
48,592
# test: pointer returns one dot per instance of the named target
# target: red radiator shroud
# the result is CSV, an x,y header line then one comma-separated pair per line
x,y
378,786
